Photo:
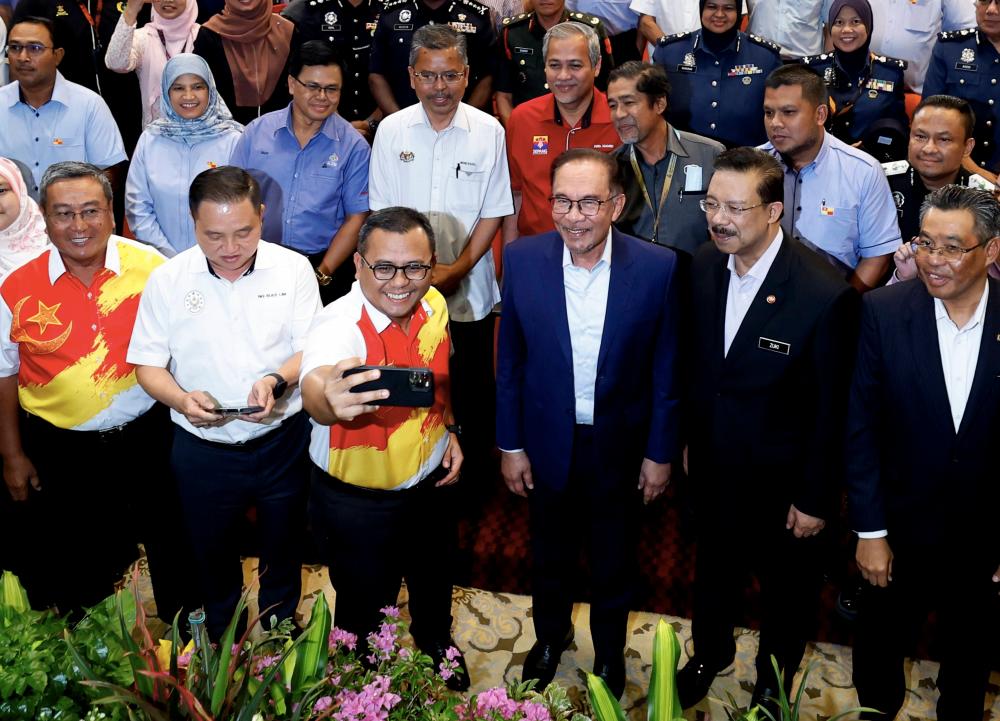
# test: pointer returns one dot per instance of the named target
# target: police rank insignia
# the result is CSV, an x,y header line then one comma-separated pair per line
x,y
540,145
330,18
898,199
404,16
61,12
406,156
968,55
689,59
461,17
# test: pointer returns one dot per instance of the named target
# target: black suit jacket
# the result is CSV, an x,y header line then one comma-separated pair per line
x,y
909,471
767,420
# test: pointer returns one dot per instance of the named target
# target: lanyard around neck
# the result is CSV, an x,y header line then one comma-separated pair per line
x,y
658,210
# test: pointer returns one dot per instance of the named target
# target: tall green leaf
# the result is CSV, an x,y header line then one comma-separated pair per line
x,y
222,672
314,651
604,705
664,703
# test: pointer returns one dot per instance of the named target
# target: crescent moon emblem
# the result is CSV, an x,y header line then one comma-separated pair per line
x,y
38,347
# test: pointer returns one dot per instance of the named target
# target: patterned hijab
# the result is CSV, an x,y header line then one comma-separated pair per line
x,y
215,121
26,236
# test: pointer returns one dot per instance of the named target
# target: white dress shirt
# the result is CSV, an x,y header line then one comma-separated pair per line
x,y
743,289
795,25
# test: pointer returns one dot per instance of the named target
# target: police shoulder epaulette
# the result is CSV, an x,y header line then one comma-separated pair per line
x,y
895,167
814,59
952,35
890,62
764,42
585,18
514,20
389,4
678,36
475,6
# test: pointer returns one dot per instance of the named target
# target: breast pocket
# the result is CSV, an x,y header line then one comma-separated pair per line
x,y
920,16
67,148
324,185
469,186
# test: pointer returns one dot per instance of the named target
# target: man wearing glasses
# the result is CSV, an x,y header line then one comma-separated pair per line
x,y
921,461
774,338
45,118
312,167
376,507
587,403
81,440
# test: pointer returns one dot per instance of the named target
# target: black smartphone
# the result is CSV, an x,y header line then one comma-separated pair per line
x,y
411,387
238,410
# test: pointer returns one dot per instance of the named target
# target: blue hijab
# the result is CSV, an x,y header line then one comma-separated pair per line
x,y
215,121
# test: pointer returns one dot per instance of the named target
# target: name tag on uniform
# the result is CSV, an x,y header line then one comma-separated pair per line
x,y
686,68
330,28
408,26
969,67
775,346
524,51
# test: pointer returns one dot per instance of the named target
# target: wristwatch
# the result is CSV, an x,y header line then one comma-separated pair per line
x,y
280,387
322,278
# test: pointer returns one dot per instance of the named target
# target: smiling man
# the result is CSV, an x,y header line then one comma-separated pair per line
x,y
312,166
587,404
774,332
377,507
222,326
921,469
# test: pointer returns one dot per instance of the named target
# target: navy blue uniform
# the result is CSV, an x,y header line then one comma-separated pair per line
x,y
859,102
908,193
390,54
720,97
965,64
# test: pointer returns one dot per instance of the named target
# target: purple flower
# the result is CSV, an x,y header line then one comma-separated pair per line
x,y
323,704
390,611
342,638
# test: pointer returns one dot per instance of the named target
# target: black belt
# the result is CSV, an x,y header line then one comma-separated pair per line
x,y
361,491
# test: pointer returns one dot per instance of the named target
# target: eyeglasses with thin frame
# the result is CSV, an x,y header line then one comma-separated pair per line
x,y
387,271
951,253
33,49
710,207
87,215
589,207
317,89
987,3
450,77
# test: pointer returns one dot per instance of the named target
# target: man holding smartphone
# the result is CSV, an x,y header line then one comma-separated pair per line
x,y
218,339
379,463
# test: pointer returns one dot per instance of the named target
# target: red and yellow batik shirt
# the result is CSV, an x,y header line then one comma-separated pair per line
x,y
394,447
67,342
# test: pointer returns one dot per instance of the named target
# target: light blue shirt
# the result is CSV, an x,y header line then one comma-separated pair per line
x,y
617,16
586,305
795,25
840,204
307,191
159,178
75,124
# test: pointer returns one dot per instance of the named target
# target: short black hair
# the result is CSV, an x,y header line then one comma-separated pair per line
x,y
314,52
225,184
950,102
47,23
398,220
596,156
651,80
771,176
981,204
813,88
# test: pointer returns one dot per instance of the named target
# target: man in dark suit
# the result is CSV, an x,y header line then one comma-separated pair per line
x,y
921,471
587,403
774,337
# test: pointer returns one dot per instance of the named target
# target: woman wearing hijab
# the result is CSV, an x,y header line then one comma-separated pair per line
x,y
248,46
22,227
146,51
196,132
866,90
717,76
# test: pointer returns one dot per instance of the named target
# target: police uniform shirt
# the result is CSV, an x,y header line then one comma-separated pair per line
x,y
908,193
220,336
350,29
859,102
522,68
682,223
720,97
390,54
840,205
965,64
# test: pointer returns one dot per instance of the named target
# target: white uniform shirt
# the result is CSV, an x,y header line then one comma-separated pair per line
x,y
455,177
672,16
742,290
795,25
220,337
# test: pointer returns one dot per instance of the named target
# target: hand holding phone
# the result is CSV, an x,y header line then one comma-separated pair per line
x,y
408,387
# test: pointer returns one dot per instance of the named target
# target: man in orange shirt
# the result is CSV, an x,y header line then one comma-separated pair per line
x,y
573,115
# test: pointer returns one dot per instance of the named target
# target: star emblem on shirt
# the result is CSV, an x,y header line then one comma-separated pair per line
x,y
45,316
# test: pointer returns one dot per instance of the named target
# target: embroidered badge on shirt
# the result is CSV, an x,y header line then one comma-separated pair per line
x,y
61,12
406,156
212,164
330,18
898,198
540,145
332,161
57,141
829,75
194,302
825,210
883,85
461,17
748,69
463,27
689,60
968,55
404,16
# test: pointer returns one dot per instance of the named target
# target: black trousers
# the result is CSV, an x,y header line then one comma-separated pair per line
x,y
960,589
735,545
370,539
595,515
624,46
102,493
218,483
473,394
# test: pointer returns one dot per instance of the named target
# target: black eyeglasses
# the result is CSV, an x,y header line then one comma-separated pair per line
x,y
589,207
33,49
316,88
951,253
387,271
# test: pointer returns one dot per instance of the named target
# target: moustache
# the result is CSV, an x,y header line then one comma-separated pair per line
x,y
722,230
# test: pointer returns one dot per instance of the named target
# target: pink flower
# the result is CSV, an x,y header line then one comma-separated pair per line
x,y
390,611
372,703
323,704
342,638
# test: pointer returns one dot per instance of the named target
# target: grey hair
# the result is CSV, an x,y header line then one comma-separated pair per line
x,y
69,170
571,29
438,37
984,208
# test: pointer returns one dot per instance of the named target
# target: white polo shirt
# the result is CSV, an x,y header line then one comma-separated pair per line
x,y
219,336
455,177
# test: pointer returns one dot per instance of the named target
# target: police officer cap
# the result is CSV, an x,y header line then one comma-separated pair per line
x,y
886,140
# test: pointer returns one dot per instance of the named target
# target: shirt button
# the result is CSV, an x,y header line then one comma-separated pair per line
x,y
295,175
93,326
90,296
714,83
961,81
712,126
36,140
714,104
991,101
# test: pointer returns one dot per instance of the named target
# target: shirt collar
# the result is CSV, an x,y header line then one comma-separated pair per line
x,y
263,258
60,92
380,321
567,259
759,270
330,127
941,313
588,114
112,260
459,120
